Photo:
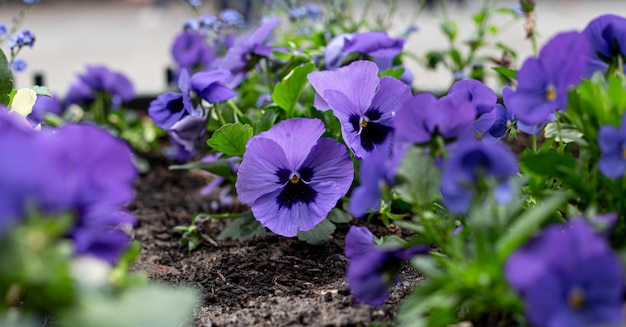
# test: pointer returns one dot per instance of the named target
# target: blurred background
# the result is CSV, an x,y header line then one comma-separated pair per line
x,y
135,36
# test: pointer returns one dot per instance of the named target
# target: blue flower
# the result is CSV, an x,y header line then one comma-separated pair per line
x,y
190,51
568,276
363,103
469,167
378,45
18,65
170,107
232,17
291,178
373,269
209,85
481,96
544,82
612,142
85,87
500,125
607,35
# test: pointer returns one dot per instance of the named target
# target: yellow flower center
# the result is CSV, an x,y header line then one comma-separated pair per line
x,y
576,298
551,92
624,152
294,178
363,122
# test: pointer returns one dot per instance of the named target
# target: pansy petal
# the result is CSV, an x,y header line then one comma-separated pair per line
x,y
612,165
296,137
357,81
330,161
257,173
480,95
391,95
565,57
410,120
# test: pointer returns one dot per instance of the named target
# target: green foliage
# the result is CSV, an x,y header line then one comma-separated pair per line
x,y
231,139
287,92
6,79
420,178
319,234
243,228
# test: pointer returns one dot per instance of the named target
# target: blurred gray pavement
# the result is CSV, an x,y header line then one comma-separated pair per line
x,y
135,37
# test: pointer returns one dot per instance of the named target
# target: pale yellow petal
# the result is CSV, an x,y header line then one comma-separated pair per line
x,y
23,101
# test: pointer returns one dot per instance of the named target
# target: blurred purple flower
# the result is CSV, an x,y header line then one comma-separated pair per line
x,y
169,108
363,103
372,269
232,17
376,170
239,56
291,178
424,116
568,276
79,169
530,129
607,35
210,85
380,46
467,169
481,96
44,105
612,142
544,82
99,79
21,39
500,125
191,52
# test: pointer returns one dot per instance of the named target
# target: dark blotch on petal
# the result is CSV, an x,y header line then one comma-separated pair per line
x,y
373,114
294,193
176,105
355,120
374,133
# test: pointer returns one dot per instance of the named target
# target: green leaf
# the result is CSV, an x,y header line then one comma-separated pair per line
x,y
320,234
420,176
565,133
148,306
41,90
339,216
242,228
6,79
220,167
231,139
528,223
449,28
393,72
266,121
287,92
505,71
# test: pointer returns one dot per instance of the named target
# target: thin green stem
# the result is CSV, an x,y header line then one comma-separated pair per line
x,y
225,215
270,75
534,141
236,110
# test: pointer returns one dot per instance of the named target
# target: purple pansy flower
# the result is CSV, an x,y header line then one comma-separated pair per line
x,y
500,125
190,51
607,35
44,105
210,85
372,269
612,142
363,103
171,107
80,169
291,178
530,129
568,277
470,163
376,171
238,56
377,45
544,82
481,96
86,87
189,131
424,115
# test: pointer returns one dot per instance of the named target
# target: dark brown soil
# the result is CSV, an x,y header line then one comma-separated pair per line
x,y
266,281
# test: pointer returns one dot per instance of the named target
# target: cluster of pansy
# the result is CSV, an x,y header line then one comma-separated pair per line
x,y
185,114
76,169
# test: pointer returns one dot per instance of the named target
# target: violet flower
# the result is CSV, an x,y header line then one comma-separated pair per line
x,y
544,82
169,108
530,129
191,52
43,106
80,169
376,171
500,125
238,57
607,35
481,96
363,103
568,276
612,142
99,79
291,178
210,85
189,131
424,116
467,169
377,45
372,269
